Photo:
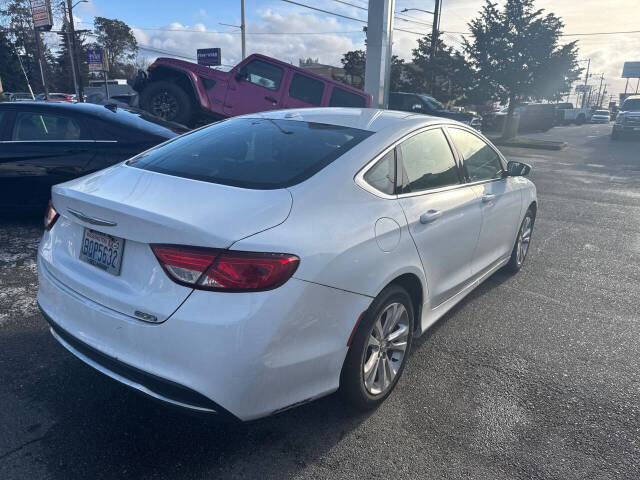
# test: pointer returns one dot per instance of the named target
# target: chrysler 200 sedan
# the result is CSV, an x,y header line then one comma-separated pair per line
x,y
267,260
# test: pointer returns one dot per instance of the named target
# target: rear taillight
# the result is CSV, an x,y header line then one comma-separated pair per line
x,y
225,270
50,216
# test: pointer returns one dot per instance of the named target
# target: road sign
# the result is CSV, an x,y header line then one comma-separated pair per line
x,y
631,70
96,61
41,14
209,56
583,88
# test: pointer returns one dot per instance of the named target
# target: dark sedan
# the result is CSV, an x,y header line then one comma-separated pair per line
x,y
42,144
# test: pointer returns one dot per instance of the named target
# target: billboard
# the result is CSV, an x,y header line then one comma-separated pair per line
x,y
631,70
96,60
209,56
41,14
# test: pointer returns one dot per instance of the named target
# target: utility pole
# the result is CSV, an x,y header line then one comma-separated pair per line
x,y
71,54
599,89
586,79
242,30
72,29
40,49
604,92
434,42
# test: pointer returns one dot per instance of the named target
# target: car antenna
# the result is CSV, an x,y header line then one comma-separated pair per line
x,y
111,106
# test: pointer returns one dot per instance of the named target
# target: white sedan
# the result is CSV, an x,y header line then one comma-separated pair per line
x,y
601,116
267,260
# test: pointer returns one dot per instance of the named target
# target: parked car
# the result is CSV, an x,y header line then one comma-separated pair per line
x,y
421,103
47,143
601,116
267,260
55,97
628,120
185,92
531,117
17,96
567,114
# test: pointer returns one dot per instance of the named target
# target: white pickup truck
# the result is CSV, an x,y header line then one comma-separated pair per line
x,y
566,114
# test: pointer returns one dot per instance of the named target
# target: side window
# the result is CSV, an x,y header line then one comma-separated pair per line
x,y
264,74
480,160
307,89
44,126
342,98
382,176
428,161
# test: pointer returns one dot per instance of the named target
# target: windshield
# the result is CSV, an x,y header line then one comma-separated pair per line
x,y
253,153
602,112
432,102
631,104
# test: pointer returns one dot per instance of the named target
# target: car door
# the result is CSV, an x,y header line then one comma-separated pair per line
x,y
254,87
44,147
303,91
442,212
500,197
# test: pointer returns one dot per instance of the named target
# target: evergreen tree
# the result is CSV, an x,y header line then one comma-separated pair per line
x,y
517,55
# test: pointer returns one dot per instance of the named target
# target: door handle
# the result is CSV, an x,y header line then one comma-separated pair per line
x,y
430,216
271,99
488,197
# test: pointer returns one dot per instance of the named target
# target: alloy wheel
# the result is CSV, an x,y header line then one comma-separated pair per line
x,y
524,240
164,105
386,348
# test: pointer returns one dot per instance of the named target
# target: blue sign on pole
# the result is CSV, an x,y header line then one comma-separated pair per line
x,y
94,59
209,56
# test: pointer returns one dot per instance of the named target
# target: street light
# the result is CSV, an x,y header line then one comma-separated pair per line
x,y
416,9
79,1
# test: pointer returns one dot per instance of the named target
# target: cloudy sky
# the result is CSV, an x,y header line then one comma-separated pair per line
x,y
290,32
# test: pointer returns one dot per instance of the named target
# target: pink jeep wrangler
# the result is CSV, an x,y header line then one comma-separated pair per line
x,y
185,92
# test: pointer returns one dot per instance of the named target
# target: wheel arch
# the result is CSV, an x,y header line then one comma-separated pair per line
x,y
414,287
180,78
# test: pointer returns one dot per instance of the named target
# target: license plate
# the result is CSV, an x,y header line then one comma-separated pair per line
x,y
102,250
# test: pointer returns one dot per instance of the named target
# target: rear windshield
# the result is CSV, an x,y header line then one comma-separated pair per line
x,y
253,153
141,120
602,112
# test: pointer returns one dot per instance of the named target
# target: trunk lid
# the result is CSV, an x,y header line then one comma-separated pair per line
x,y
149,207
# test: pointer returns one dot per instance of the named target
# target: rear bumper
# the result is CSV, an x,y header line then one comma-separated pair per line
x,y
243,355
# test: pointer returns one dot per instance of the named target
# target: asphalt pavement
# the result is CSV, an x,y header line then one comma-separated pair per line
x,y
532,376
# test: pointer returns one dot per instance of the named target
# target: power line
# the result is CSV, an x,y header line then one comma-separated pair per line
x,y
359,7
346,16
596,33
325,11
239,33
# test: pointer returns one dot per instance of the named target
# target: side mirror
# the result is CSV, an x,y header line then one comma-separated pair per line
x,y
241,74
518,169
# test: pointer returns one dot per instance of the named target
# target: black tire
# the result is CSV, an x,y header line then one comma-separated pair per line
x,y
516,262
352,383
167,100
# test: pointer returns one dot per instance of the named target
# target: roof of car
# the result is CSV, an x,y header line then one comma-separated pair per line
x,y
372,119
89,108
